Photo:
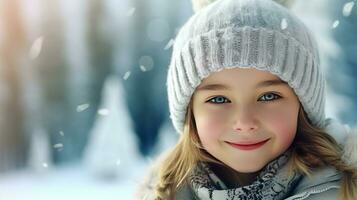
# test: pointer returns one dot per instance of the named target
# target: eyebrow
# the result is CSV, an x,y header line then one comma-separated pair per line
x,y
274,82
266,83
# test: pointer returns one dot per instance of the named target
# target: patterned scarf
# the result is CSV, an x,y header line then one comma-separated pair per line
x,y
271,183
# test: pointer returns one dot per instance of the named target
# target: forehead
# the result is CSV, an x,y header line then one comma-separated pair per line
x,y
239,76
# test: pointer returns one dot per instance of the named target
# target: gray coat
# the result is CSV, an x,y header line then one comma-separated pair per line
x,y
324,184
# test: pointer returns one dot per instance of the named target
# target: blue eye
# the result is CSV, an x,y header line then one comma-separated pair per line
x,y
269,97
218,100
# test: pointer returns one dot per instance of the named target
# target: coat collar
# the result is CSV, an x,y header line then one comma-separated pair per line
x,y
329,176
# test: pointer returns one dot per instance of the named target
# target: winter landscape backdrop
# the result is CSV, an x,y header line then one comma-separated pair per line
x,y
83,104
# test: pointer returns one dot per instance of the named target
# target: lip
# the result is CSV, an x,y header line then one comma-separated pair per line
x,y
248,146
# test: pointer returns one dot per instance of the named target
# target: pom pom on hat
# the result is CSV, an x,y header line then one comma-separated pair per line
x,y
199,4
286,3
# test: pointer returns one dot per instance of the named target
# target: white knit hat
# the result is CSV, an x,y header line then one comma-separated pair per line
x,y
258,34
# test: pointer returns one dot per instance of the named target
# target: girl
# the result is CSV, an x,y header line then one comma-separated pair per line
x,y
247,96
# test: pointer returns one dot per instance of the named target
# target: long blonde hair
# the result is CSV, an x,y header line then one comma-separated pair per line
x,y
312,148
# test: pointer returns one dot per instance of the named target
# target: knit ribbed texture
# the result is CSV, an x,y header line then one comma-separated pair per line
x,y
257,34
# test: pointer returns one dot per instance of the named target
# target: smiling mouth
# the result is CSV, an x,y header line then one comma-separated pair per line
x,y
248,146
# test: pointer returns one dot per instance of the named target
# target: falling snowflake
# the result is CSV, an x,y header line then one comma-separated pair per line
x,y
82,107
146,63
284,24
118,162
169,44
126,75
36,48
130,12
61,133
103,112
335,24
45,165
142,67
347,8
58,146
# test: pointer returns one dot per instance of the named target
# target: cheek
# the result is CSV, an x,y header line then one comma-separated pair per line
x,y
210,124
285,135
283,124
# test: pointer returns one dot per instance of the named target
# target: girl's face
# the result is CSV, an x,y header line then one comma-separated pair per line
x,y
245,117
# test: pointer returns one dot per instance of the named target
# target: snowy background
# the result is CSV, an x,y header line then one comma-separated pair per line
x,y
111,168
83,109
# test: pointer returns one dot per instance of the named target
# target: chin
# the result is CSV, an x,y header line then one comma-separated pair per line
x,y
248,167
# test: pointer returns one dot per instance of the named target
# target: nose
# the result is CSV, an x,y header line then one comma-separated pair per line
x,y
245,121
